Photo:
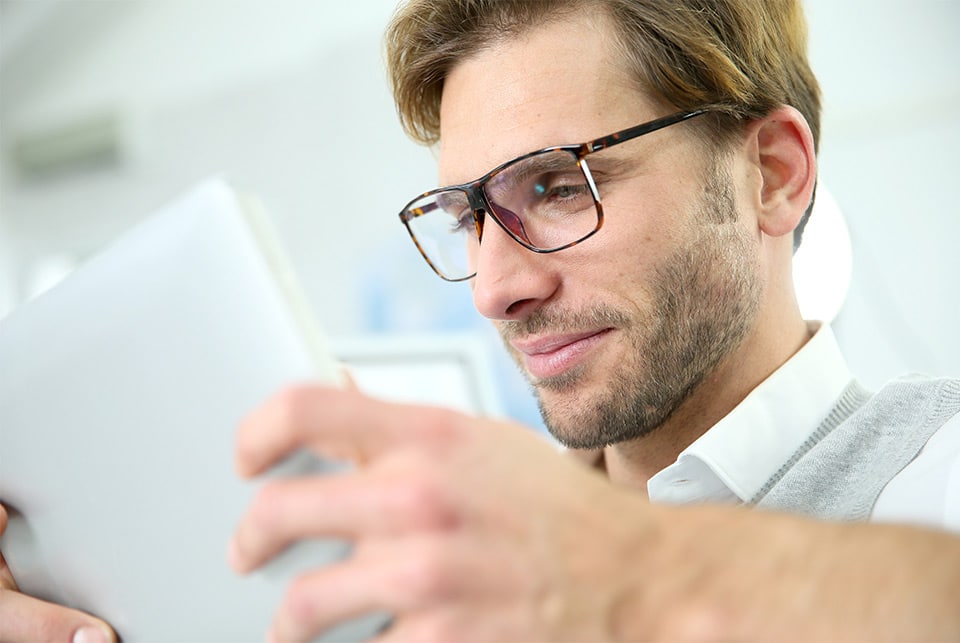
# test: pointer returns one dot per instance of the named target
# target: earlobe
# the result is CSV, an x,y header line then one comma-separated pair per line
x,y
788,168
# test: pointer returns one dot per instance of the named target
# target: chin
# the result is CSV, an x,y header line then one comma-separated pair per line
x,y
571,416
598,416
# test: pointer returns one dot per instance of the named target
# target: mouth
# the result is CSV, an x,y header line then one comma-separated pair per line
x,y
553,355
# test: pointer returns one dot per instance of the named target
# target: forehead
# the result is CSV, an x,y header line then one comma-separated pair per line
x,y
559,83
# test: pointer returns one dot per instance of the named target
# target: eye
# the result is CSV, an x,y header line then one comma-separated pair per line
x,y
561,186
455,206
567,191
463,222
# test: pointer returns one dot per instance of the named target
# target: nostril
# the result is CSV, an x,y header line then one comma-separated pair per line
x,y
514,309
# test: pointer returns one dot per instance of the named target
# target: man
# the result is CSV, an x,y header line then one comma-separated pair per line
x,y
642,281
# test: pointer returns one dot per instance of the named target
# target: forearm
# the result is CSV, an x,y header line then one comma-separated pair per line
x,y
905,582
720,573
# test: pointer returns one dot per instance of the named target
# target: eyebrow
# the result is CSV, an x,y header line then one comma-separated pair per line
x,y
447,199
543,162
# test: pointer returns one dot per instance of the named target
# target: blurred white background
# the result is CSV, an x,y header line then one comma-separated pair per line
x,y
108,108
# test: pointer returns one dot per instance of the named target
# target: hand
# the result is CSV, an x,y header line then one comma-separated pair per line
x,y
23,618
459,524
469,529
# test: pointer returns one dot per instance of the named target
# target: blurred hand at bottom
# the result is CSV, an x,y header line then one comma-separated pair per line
x,y
470,529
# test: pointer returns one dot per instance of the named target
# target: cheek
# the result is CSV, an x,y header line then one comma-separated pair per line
x,y
636,235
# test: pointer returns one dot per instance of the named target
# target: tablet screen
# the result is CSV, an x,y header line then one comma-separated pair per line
x,y
120,393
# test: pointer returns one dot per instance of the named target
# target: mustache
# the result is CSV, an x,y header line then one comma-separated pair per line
x,y
560,321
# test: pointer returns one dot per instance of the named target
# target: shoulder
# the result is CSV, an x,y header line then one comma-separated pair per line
x,y
919,397
927,490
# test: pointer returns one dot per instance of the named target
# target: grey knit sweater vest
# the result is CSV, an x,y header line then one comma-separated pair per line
x,y
839,472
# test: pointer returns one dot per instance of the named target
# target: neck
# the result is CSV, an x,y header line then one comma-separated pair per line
x,y
633,463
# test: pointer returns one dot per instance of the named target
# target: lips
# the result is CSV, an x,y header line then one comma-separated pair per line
x,y
553,355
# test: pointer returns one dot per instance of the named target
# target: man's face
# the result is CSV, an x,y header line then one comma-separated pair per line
x,y
615,333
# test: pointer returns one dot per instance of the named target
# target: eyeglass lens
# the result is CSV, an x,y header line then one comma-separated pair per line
x,y
543,201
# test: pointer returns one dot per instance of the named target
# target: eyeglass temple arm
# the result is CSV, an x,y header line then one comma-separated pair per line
x,y
413,213
639,130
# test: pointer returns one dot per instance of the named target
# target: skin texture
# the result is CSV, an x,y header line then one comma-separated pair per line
x,y
476,530
703,300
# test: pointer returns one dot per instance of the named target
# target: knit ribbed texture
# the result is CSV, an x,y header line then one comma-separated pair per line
x,y
839,472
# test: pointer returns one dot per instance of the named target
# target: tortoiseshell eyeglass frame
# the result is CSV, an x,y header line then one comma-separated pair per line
x,y
477,197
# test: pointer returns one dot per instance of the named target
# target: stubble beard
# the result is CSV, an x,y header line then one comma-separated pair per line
x,y
705,301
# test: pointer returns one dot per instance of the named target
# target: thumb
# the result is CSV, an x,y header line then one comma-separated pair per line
x,y
23,618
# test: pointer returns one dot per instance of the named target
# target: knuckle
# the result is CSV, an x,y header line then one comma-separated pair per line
x,y
424,501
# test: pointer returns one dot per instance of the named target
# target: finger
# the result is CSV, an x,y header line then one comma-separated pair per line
x,y
435,625
349,506
7,581
397,577
333,422
23,618
6,576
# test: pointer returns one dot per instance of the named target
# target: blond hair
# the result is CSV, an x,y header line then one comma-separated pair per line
x,y
744,57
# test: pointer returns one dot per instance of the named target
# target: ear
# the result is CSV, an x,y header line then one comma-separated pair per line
x,y
787,162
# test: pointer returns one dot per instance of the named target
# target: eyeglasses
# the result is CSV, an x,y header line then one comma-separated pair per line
x,y
546,201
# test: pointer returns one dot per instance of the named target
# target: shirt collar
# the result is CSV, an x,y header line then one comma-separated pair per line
x,y
736,457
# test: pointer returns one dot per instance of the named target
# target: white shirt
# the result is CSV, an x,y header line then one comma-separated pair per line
x,y
733,460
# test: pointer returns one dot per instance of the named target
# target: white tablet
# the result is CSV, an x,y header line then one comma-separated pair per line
x,y
120,393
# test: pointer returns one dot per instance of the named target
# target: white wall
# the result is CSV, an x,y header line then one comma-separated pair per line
x,y
890,72
289,97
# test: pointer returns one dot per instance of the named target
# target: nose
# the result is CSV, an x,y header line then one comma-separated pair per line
x,y
511,281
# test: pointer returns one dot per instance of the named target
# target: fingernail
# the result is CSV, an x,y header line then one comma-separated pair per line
x,y
91,634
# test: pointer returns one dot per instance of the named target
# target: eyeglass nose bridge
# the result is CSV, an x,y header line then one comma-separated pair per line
x,y
478,205
510,221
